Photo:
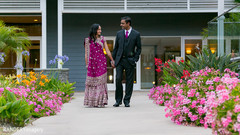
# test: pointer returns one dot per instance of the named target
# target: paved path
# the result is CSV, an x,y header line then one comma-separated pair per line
x,y
142,118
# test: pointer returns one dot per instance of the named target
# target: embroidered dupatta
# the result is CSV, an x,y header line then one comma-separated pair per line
x,y
96,80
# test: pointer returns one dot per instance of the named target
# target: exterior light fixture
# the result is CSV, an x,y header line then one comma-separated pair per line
x,y
147,67
189,51
213,50
110,77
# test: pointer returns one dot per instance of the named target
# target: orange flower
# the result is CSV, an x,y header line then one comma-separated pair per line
x,y
27,82
41,83
23,81
24,76
31,73
46,80
34,78
43,76
19,76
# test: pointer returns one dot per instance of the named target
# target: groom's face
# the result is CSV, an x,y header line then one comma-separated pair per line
x,y
125,25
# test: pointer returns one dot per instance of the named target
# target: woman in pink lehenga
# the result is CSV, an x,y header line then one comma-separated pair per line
x,y
96,94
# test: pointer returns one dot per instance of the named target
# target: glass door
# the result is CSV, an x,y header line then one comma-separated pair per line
x,y
148,67
33,60
192,46
164,48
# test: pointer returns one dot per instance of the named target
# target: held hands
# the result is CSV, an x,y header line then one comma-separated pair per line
x,y
113,63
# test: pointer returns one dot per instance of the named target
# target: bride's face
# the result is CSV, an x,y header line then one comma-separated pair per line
x,y
99,31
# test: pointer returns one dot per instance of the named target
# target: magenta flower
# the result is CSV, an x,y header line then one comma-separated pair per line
x,y
237,108
36,110
226,121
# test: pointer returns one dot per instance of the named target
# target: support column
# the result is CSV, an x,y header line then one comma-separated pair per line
x,y
228,46
204,43
60,9
183,48
220,28
221,35
125,5
19,62
43,45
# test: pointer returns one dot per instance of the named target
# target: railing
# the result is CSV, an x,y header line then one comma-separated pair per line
x,y
144,5
229,4
112,6
19,5
93,5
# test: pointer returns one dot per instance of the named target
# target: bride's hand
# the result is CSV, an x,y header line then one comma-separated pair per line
x,y
113,64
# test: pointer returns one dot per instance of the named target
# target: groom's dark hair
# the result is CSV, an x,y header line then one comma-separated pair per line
x,y
127,19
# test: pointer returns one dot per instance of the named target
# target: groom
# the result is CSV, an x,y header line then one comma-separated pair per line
x,y
125,54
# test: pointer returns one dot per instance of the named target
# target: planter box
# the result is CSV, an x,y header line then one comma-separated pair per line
x,y
63,74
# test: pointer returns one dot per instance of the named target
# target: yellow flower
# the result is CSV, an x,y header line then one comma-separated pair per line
x,y
41,83
17,82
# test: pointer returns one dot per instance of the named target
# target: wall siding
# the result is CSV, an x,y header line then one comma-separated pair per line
x,y
51,30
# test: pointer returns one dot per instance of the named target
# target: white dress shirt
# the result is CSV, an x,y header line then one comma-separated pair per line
x,y
129,31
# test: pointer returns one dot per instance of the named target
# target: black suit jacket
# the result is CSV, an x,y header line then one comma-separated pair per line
x,y
133,46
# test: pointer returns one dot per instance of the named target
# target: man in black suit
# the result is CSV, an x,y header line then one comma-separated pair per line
x,y
125,54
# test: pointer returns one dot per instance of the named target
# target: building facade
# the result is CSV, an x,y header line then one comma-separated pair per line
x,y
169,29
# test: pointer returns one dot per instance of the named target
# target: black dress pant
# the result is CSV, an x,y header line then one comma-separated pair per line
x,y
129,71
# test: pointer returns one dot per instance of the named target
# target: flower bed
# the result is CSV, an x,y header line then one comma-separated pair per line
x,y
161,94
190,102
36,94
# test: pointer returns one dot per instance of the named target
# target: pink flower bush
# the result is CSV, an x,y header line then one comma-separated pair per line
x,y
224,114
45,102
192,103
161,94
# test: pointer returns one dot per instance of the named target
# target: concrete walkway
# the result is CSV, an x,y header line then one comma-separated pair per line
x,y
142,118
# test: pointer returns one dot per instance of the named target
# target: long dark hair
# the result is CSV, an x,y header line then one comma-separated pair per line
x,y
93,32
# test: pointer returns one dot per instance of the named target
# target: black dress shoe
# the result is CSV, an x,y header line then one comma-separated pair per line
x,y
127,105
117,104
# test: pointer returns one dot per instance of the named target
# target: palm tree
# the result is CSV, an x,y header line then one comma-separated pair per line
x,y
13,39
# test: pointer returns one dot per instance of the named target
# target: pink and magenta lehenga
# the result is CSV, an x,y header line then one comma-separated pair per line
x,y
96,81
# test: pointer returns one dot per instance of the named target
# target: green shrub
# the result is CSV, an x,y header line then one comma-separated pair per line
x,y
208,59
13,111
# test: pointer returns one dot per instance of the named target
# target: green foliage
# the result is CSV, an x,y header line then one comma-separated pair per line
x,y
56,85
7,81
227,109
13,111
176,71
231,24
169,79
237,1
13,39
204,33
202,60
207,59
